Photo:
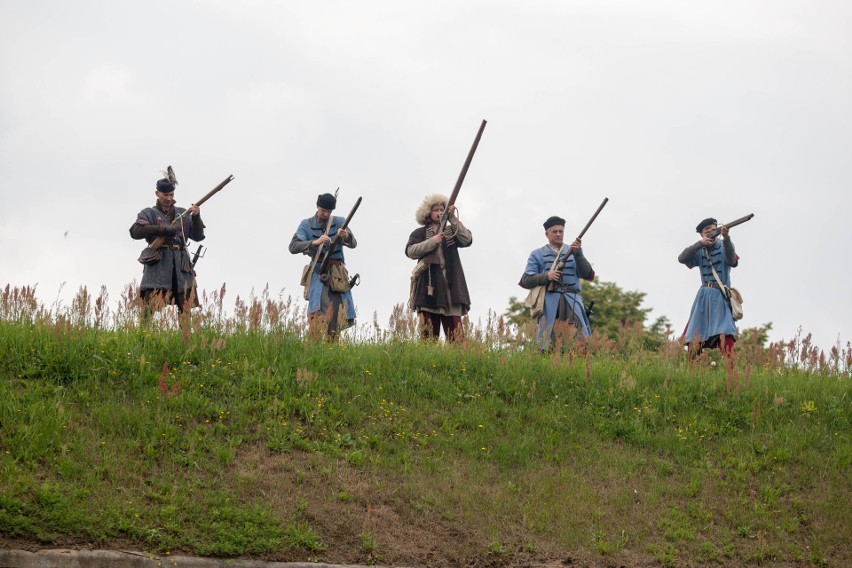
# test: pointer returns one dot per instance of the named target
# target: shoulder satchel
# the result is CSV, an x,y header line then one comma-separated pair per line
x,y
338,278
732,295
535,298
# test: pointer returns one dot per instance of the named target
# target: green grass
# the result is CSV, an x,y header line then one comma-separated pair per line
x,y
259,443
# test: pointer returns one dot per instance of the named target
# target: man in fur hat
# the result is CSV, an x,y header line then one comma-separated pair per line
x,y
711,324
438,288
168,276
564,303
316,233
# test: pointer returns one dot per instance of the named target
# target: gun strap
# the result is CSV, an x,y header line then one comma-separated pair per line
x,y
722,288
556,260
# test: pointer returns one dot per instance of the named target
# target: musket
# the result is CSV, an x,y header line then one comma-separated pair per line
x,y
158,242
307,276
327,258
715,232
452,201
561,262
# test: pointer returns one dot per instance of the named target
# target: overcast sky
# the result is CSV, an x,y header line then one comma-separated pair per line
x,y
676,111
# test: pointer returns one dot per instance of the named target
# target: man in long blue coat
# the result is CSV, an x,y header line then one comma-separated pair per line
x,y
711,324
168,276
564,302
310,236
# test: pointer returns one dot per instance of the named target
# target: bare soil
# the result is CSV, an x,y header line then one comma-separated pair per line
x,y
366,519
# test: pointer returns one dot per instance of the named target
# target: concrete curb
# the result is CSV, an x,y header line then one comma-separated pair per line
x,y
131,559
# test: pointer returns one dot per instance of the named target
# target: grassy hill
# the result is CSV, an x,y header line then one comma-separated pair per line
x,y
240,436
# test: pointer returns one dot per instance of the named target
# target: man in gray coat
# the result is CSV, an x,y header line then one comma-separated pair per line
x,y
168,276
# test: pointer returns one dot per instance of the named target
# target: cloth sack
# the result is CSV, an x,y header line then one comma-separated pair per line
x,y
736,300
306,275
535,301
338,278
535,298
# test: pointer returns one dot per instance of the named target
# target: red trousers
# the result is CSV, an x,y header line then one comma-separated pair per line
x,y
430,326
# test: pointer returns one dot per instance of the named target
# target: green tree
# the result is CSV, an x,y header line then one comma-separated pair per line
x,y
757,336
612,309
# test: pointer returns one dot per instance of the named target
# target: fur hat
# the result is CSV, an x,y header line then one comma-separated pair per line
x,y
704,223
425,210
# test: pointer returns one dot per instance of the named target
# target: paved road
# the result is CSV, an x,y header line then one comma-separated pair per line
x,y
130,559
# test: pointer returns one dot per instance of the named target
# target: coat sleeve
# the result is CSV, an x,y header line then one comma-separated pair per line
x,y
196,232
534,274
301,241
730,253
584,267
464,238
352,242
687,257
421,249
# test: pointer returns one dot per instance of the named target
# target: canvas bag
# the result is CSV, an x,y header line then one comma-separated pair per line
x,y
736,300
338,278
535,298
732,295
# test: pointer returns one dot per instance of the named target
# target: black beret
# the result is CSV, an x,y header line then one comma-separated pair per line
x,y
165,186
552,221
326,201
704,223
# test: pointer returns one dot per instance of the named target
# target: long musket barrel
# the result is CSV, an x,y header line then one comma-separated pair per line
x,y
327,257
158,242
561,263
445,217
592,220
733,223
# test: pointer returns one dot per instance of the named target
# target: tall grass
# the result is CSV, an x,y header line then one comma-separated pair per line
x,y
231,434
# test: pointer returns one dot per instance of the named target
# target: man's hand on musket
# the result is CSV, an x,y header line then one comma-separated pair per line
x,y
723,230
451,212
323,240
575,246
344,234
437,238
554,275
194,210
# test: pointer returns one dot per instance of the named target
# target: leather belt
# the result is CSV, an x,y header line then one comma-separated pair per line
x,y
564,288
172,247
709,285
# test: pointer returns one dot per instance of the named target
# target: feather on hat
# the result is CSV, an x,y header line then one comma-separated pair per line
x,y
168,183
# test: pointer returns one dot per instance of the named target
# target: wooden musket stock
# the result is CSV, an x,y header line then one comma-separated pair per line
x,y
561,263
158,242
327,258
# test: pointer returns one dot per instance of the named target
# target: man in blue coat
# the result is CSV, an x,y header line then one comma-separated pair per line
x,y
711,324
565,302
310,236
